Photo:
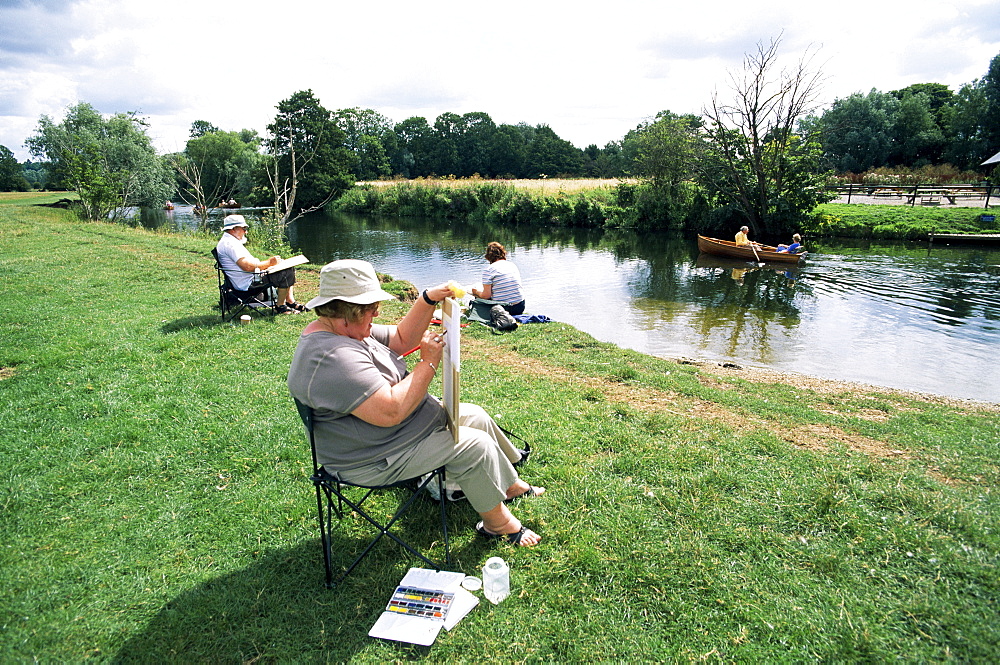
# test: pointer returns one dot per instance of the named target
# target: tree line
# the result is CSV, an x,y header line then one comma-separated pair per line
x,y
761,155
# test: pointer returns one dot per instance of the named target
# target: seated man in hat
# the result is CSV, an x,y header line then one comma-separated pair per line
x,y
239,265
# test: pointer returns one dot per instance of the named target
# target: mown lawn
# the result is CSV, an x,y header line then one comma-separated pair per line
x,y
156,508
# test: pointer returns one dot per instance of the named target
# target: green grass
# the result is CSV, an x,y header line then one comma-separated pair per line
x,y
155,503
895,222
34,198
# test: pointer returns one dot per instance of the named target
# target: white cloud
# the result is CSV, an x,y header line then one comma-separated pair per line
x,y
591,74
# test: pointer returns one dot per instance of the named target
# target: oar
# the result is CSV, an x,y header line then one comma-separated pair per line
x,y
760,264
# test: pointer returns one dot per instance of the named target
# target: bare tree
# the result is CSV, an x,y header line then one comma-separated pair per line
x,y
285,186
195,194
759,165
307,164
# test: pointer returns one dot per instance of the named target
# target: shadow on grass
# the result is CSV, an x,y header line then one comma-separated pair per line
x,y
203,321
278,609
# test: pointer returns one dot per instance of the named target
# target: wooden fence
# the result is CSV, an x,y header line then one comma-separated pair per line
x,y
918,194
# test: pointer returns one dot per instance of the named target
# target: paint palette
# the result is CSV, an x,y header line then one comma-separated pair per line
x,y
424,603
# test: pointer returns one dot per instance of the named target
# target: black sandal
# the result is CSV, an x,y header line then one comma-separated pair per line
x,y
529,492
512,538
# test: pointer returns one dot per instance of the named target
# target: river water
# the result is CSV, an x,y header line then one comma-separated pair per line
x,y
906,315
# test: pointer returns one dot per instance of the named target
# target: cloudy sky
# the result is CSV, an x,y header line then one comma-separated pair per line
x,y
591,71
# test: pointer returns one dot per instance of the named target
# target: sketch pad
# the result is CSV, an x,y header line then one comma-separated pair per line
x,y
285,264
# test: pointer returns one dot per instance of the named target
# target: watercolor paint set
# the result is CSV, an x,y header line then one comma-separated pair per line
x,y
423,603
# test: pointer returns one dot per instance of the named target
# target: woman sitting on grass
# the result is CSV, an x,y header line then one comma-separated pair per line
x,y
501,280
375,423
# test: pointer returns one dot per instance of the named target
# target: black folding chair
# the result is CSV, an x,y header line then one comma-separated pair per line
x,y
233,301
332,494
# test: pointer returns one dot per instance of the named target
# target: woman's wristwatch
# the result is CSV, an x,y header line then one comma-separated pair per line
x,y
427,299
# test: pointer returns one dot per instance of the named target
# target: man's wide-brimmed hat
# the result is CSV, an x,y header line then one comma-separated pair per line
x,y
232,221
349,280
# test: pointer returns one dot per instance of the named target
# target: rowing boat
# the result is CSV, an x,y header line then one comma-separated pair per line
x,y
730,248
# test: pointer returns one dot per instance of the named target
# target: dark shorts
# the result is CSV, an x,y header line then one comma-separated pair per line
x,y
279,280
515,309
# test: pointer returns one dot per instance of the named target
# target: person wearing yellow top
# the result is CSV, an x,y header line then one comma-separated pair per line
x,y
741,237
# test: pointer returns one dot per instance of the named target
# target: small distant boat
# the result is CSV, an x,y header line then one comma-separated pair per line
x,y
731,249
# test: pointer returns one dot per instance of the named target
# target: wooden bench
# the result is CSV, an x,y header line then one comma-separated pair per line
x,y
968,193
930,200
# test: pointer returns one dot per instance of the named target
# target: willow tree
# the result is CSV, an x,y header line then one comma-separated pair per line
x,y
757,163
109,162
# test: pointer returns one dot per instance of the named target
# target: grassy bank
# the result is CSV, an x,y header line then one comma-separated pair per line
x,y
156,507
557,203
611,204
896,222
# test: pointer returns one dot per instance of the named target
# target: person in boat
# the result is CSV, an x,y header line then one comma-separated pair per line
x,y
794,247
240,265
501,280
741,238
375,421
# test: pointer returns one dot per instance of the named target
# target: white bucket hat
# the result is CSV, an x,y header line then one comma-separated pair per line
x,y
349,280
232,221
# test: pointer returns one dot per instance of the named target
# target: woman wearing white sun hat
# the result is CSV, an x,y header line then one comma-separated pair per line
x,y
375,422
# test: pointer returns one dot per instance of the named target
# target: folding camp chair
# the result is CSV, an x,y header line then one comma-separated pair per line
x,y
233,301
332,494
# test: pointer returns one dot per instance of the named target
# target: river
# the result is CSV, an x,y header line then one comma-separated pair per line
x,y
911,316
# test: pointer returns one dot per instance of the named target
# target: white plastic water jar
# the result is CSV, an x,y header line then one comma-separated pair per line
x,y
496,580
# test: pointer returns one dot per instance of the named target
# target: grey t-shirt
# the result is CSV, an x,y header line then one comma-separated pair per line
x,y
334,375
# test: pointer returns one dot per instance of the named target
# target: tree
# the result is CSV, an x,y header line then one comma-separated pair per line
x,y
201,127
968,144
917,138
11,175
939,98
36,173
991,114
217,165
444,157
308,165
110,163
369,135
549,155
477,144
412,157
664,149
510,151
857,131
757,164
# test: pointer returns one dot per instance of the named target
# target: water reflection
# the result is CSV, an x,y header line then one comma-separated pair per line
x,y
182,218
907,316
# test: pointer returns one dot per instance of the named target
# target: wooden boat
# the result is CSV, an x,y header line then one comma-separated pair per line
x,y
729,248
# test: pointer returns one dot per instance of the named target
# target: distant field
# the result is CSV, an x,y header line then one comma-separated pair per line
x,y
546,185
33,198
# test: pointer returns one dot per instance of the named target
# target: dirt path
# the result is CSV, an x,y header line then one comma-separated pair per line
x,y
817,437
